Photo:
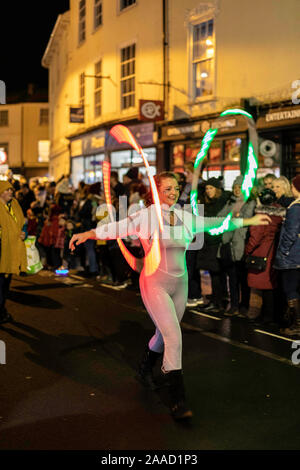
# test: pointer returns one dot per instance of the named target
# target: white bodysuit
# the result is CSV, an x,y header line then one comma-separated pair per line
x,y
164,293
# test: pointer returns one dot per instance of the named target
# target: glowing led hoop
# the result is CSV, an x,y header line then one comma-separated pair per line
x,y
251,168
153,257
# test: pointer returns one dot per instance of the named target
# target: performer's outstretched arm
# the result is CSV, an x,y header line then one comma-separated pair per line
x,y
122,229
204,224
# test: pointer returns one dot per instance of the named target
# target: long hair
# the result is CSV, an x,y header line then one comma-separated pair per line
x,y
158,180
285,185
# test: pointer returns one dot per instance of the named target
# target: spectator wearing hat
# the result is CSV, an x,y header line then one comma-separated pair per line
x,y
263,243
13,253
232,247
288,259
130,178
215,199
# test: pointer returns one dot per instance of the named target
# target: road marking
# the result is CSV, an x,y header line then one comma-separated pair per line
x,y
77,277
249,348
205,315
275,336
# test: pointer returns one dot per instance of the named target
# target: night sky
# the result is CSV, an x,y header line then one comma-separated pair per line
x,y
24,33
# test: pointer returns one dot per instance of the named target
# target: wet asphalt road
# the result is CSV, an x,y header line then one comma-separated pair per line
x,y
69,378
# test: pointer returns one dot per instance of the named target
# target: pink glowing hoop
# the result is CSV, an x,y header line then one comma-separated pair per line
x,y
151,261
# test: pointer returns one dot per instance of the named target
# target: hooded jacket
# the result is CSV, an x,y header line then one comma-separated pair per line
x,y
288,252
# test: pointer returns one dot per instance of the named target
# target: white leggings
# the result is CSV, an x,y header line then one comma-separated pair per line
x,y
165,298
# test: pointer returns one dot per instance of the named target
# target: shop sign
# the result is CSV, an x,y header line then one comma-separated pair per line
x,y
93,142
200,128
151,110
226,124
174,131
280,117
292,114
77,114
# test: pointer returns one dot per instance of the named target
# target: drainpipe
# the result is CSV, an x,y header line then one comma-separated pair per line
x,y
165,8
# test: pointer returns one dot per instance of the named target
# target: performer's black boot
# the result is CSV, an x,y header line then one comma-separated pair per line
x,y
176,395
145,371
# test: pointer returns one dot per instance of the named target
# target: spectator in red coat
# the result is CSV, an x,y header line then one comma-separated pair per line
x,y
263,241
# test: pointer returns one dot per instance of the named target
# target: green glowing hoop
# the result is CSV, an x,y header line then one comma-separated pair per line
x,y
251,168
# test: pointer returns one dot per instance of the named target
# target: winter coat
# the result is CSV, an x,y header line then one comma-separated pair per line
x,y
264,239
236,238
207,256
85,215
49,232
13,257
288,252
285,201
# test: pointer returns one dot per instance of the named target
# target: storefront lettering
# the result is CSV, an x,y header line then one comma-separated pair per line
x,y
223,124
283,115
183,130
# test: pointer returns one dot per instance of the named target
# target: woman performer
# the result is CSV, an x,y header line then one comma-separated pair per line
x,y
164,293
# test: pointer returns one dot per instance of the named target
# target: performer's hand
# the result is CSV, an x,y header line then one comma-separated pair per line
x,y
79,238
22,236
258,219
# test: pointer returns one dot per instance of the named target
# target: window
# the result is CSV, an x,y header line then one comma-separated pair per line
x,y
97,13
128,77
44,117
4,118
203,53
126,3
81,35
81,89
98,90
43,150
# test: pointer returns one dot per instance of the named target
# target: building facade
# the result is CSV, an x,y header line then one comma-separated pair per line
x,y
24,139
166,69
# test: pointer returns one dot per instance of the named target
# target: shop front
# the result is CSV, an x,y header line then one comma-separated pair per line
x,y
279,140
123,156
88,152
87,155
227,154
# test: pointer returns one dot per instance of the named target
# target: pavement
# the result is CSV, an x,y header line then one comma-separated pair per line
x,y
68,381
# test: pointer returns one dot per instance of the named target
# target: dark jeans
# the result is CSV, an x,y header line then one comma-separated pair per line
x,y
217,287
291,283
238,286
194,288
5,280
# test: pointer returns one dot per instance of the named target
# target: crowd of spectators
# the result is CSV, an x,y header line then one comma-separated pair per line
x,y
55,211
